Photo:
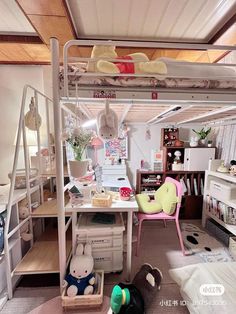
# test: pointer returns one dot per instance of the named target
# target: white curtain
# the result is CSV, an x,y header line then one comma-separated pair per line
x,y
226,142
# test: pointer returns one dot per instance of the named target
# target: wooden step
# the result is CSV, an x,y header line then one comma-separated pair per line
x,y
42,258
47,209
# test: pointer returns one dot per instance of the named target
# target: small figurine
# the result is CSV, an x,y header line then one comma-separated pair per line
x,y
158,182
232,169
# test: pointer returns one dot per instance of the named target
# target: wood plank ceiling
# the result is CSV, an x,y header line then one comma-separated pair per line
x,y
52,19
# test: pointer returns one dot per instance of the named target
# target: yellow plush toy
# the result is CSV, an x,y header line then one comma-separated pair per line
x,y
141,64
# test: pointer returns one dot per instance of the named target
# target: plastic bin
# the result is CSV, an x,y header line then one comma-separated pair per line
x,y
221,190
106,241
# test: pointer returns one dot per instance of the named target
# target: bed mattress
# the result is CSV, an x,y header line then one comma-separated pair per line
x,y
189,75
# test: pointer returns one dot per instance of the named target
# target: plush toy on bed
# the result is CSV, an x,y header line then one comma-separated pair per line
x,y
81,279
107,122
135,298
141,64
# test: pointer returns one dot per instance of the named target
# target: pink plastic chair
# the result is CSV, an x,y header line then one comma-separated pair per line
x,y
163,216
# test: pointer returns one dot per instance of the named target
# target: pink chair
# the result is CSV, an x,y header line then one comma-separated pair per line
x,y
163,216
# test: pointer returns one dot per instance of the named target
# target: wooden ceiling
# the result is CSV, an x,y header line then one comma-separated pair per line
x,y
52,19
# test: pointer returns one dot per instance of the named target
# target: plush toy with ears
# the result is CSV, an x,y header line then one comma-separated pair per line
x,y
141,64
107,122
25,233
136,297
81,280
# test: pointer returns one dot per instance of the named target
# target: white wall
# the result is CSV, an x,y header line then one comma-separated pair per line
x,y
140,148
12,80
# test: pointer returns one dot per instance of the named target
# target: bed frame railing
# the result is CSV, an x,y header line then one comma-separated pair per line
x,y
134,44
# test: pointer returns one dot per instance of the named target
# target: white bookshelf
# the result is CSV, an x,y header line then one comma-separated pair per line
x,y
214,175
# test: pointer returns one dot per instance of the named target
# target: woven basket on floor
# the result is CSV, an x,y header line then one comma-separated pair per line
x,y
86,301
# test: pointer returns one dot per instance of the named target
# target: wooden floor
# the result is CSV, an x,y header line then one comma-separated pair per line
x,y
42,258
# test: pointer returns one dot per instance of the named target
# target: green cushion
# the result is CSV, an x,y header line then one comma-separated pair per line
x,y
146,206
166,195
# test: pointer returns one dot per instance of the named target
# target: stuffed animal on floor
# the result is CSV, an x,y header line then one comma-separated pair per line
x,y
135,298
141,64
107,122
81,279
25,233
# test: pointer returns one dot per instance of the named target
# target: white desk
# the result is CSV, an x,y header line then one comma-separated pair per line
x,y
117,206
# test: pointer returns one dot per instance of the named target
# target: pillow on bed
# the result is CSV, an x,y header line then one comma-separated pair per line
x,y
190,278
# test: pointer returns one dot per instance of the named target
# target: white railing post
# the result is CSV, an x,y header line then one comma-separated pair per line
x,y
59,158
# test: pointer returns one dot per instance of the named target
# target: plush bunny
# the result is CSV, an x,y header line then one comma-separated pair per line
x,y
135,298
107,123
80,280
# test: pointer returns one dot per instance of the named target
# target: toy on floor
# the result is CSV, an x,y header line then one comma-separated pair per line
x,y
25,233
135,298
81,279
107,121
141,63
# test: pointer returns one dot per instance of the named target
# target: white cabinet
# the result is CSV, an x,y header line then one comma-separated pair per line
x,y
229,201
197,159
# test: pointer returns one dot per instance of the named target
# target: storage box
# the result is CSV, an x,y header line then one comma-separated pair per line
x,y
102,200
86,301
106,241
222,190
232,246
218,231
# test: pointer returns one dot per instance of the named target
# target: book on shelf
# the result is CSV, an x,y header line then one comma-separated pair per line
x,y
188,186
195,186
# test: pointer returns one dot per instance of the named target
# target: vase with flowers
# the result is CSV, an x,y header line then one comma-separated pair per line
x,y
78,140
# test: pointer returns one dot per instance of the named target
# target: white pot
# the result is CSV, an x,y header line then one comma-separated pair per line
x,y
202,141
78,168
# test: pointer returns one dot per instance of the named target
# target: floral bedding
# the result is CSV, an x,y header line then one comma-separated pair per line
x,y
75,77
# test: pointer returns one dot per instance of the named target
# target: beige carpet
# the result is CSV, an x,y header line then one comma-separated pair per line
x,y
159,247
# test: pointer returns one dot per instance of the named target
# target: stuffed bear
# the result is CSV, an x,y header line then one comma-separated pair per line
x,y
81,280
141,64
107,122
134,298
25,233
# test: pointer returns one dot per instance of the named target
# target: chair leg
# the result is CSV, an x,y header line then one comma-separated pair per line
x,y
180,237
139,236
164,221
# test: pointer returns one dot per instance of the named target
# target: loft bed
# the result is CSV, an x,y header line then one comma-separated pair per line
x,y
72,87
220,101
181,77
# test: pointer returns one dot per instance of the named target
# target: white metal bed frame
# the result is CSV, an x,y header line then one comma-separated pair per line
x,y
183,96
85,93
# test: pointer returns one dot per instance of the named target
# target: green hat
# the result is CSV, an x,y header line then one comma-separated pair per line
x,y
119,297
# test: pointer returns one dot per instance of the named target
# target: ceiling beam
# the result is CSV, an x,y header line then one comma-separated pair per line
x,y
21,39
85,111
161,114
208,114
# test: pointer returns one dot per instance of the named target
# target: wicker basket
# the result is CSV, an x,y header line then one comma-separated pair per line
x,y
86,301
102,200
20,181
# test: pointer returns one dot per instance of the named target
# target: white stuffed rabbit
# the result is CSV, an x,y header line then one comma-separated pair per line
x,y
80,280
107,121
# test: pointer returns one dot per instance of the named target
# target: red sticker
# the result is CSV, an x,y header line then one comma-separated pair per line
x,y
154,95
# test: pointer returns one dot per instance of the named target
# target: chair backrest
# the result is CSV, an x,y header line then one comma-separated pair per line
x,y
179,192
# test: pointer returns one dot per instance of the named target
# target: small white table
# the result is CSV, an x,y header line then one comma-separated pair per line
x,y
117,206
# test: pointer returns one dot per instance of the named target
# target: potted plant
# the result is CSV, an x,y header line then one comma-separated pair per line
x,y
202,134
209,143
78,140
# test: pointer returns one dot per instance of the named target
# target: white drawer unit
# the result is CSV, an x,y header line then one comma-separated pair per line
x,y
114,170
106,241
222,190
